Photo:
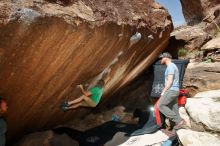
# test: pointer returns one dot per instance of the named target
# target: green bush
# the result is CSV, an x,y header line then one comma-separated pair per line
x,y
182,52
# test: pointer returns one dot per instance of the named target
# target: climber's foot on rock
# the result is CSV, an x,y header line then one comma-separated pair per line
x,y
168,133
64,103
180,125
64,108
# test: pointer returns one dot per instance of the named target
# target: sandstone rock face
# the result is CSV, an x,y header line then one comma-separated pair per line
x,y
137,93
46,49
193,138
202,77
204,108
194,11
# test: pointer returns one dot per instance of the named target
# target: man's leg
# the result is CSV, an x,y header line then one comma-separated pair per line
x,y
75,106
85,102
181,123
66,105
164,102
77,100
175,109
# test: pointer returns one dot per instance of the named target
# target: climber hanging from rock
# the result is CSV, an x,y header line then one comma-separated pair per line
x,y
90,98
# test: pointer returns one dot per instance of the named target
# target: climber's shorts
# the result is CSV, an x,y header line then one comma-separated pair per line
x,y
88,102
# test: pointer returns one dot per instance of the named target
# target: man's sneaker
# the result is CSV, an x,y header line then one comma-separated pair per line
x,y
64,103
180,125
168,133
64,108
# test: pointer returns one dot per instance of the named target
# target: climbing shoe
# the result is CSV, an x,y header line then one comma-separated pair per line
x,y
168,133
64,108
64,103
180,125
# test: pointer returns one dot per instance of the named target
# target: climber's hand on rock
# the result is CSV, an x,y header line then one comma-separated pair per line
x,y
80,86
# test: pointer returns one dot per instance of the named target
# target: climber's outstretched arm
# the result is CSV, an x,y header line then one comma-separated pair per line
x,y
85,92
106,76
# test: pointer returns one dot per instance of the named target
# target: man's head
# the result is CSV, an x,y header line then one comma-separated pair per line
x,y
3,106
165,58
100,83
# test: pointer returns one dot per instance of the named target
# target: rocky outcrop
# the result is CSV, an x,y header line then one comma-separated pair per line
x,y
46,49
213,44
195,11
211,50
194,37
203,21
193,138
202,77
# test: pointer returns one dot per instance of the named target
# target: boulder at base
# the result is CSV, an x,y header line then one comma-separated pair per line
x,y
204,108
146,139
193,138
185,116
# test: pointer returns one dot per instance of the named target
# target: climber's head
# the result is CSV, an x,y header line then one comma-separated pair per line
x,y
101,83
3,105
165,58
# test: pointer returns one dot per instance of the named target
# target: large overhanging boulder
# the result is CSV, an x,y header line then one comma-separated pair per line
x,y
47,49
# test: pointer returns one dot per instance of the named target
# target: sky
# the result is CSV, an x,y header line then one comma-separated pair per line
x,y
175,9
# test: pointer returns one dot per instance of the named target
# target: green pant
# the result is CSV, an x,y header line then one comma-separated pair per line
x,y
168,105
3,129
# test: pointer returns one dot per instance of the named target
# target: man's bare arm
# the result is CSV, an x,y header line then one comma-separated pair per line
x,y
168,84
106,76
85,92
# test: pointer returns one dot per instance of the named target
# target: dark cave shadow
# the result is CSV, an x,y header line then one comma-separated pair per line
x,y
99,135
114,133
